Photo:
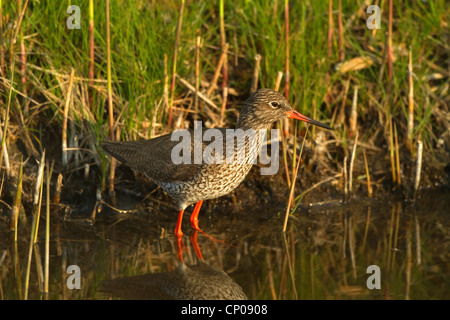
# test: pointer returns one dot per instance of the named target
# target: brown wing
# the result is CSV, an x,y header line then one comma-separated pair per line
x,y
152,157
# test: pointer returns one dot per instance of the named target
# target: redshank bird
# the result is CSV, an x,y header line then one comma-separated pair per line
x,y
195,181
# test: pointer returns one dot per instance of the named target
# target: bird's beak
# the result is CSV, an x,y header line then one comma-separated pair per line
x,y
297,115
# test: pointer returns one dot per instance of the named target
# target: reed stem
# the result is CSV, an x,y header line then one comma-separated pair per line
x,y
330,28
255,77
352,161
292,187
369,185
409,140
47,230
112,167
17,202
223,41
91,50
341,33
65,120
175,57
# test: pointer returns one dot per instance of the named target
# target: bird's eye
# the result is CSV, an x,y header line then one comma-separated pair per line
x,y
274,104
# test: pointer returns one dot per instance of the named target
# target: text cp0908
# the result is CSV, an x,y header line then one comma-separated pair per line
x,y
246,309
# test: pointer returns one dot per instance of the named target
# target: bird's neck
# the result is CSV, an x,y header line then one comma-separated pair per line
x,y
248,121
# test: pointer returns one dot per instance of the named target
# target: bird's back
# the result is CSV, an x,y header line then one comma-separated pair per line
x,y
152,158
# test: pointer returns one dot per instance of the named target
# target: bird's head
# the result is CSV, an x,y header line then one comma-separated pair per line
x,y
266,106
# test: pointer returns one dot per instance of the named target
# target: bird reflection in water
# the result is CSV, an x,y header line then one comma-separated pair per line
x,y
187,282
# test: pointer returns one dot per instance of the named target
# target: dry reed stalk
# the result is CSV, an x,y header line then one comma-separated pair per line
x,y
91,49
224,104
236,47
57,196
287,77
174,64
345,175
330,28
47,231
23,60
278,81
397,156
73,145
2,181
223,41
200,95
4,153
369,186
198,42
352,161
213,84
112,168
341,116
409,140
391,150
17,28
354,113
255,77
418,166
384,61
2,53
65,119
166,85
389,47
292,185
374,30
17,202
86,171
313,129
341,33
37,198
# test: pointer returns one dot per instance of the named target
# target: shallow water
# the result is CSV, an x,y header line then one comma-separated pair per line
x,y
324,254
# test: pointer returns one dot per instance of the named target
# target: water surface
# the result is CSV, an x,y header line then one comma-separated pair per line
x,y
324,254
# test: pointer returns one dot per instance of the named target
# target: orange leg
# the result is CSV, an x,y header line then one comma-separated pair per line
x,y
194,221
194,216
180,247
195,245
178,231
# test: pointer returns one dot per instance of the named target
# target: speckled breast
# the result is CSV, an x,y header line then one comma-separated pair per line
x,y
214,180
